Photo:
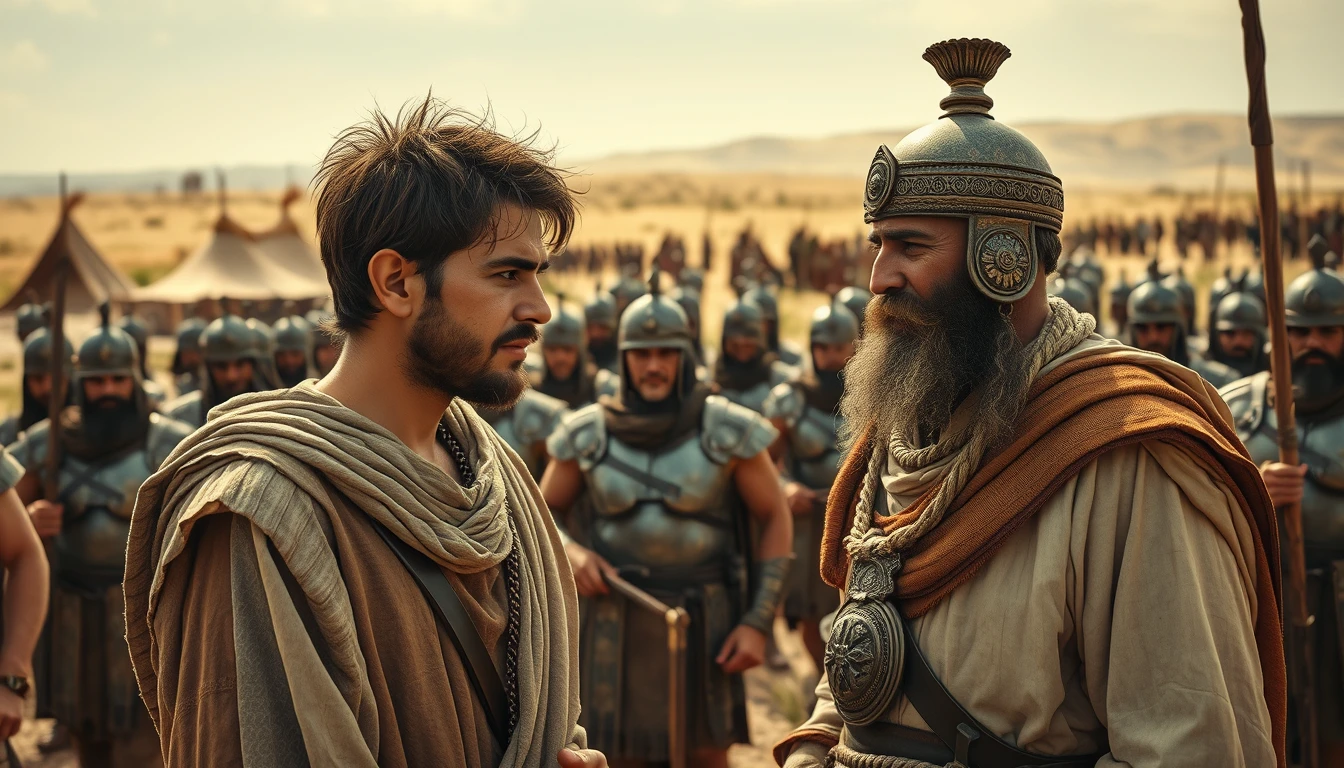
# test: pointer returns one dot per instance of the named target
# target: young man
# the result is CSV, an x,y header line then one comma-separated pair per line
x,y
1051,544
658,483
110,441
278,566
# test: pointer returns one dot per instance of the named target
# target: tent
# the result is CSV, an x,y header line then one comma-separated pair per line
x,y
286,247
91,280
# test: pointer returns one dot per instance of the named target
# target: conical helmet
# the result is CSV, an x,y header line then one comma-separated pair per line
x,y
108,351
1239,311
1155,302
1221,287
855,298
1177,282
263,338
292,334
30,317
1316,298
689,300
1076,292
37,352
188,334
135,329
227,338
968,165
601,309
743,320
833,324
627,289
565,328
654,321
761,298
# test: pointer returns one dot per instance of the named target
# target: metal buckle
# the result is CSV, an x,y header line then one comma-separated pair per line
x,y
966,735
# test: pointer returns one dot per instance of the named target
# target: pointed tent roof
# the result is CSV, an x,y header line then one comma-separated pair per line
x,y
91,280
286,247
231,263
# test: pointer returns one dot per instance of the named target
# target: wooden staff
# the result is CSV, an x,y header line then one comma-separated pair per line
x,y
1295,586
677,622
51,470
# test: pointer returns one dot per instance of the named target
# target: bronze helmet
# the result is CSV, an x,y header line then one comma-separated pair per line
x,y
108,351
968,165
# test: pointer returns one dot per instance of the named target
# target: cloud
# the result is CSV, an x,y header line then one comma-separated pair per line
x,y
23,58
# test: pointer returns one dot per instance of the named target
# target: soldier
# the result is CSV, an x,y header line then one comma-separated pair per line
x,y
229,353
1077,293
1238,334
599,316
187,358
566,374
110,442
293,347
1119,297
29,317
1054,550
526,425
688,299
140,333
263,358
664,471
326,347
766,302
36,384
855,298
627,289
1315,316
1177,282
1221,287
804,412
746,371
1157,324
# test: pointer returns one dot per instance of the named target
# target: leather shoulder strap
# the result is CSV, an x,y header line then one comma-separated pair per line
x,y
452,616
972,744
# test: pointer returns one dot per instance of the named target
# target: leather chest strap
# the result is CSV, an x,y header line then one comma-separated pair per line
x,y
972,745
452,616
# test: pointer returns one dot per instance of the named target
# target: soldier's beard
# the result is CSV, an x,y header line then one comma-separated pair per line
x,y
1317,385
919,358
441,355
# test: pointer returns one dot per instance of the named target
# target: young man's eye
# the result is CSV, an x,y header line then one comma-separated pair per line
x,y
511,274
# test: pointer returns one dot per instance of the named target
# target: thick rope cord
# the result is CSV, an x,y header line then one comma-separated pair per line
x,y
1064,329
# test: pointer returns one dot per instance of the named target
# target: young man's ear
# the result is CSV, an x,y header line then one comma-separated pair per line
x,y
395,283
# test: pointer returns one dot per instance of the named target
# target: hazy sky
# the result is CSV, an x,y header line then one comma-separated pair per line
x,y
90,85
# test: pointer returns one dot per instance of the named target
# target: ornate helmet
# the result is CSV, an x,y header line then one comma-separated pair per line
x,y
37,352
108,351
1155,302
227,338
1316,298
855,299
833,324
292,334
1239,311
968,165
601,309
30,317
743,320
565,328
1076,292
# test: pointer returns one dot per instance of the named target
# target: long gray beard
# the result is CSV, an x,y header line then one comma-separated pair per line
x,y
908,381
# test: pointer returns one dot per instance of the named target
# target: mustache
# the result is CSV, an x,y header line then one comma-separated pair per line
x,y
521,332
899,307
108,402
650,378
1315,357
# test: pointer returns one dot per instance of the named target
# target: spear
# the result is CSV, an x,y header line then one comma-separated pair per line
x,y
1262,140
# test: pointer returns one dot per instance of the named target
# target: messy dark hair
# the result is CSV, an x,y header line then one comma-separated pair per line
x,y
426,184
1048,247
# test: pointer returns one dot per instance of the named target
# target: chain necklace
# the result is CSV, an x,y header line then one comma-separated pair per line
x,y
512,581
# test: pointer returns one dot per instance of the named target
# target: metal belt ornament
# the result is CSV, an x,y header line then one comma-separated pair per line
x,y
866,653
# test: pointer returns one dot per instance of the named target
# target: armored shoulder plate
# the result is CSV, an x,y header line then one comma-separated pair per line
x,y
730,431
783,373
1245,398
785,402
789,354
9,430
31,446
189,409
164,435
580,436
606,383
536,415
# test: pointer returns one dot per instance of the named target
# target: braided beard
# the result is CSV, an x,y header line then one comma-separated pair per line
x,y
919,358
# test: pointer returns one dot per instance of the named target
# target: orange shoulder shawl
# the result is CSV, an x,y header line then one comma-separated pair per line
x,y
1075,413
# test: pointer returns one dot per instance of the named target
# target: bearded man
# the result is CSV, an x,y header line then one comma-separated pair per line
x,y
357,571
804,412
746,369
140,332
110,441
186,367
36,384
761,298
1238,333
230,356
1156,323
599,316
654,482
293,339
1315,316
566,373
1055,550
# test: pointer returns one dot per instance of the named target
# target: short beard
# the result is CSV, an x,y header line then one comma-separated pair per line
x,y
442,356
919,358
